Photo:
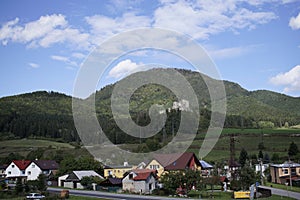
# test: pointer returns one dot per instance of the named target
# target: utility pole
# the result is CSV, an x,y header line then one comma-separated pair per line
x,y
290,176
232,163
261,172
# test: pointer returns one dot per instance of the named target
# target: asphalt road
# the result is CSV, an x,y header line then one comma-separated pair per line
x,y
107,195
281,192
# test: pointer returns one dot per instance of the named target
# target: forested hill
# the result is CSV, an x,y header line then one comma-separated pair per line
x,y
49,114
37,114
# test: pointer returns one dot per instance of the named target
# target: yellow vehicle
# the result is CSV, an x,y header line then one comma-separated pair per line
x,y
241,195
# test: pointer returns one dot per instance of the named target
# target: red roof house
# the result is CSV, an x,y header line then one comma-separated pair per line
x,y
173,162
142,181
17,168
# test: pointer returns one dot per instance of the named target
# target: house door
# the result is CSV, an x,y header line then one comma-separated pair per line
x,y
74,185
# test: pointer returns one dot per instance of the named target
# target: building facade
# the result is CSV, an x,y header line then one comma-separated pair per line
x,y
284,173
142,181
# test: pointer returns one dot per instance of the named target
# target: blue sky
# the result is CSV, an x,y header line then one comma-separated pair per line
x,y
255,43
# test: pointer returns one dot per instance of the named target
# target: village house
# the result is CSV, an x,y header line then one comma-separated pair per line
x,y
261,168
206,168
117,171
30,170
73,179
283,173
37,167
16,169
111,184
142,181
174,162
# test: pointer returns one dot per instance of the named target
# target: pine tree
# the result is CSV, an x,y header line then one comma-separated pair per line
x,y
293,149
243,157
260,155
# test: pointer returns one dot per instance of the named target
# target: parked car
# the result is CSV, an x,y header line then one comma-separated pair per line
x,y
35,196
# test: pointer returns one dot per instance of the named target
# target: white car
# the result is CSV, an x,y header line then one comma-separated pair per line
x,y
35,196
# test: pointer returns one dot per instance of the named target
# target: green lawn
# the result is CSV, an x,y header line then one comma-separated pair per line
x,y
33,143
284,187
275,141
24,146
72,197
228,195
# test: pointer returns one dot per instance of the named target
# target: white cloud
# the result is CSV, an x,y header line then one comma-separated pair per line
x,y
290,79
44,32
60,58
230,52
124,68
204,18
198,18
295,22
34,65
64,59
227,52
103,27
78,55
119,6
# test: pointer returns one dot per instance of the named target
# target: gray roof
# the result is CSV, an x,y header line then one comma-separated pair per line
x,y
47,164
84,173
117,166
205,165
286,165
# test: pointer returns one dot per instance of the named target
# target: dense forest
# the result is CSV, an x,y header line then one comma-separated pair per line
x,y
49,114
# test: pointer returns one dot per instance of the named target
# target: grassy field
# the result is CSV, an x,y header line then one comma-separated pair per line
x,y
70,198
24,146
217,195
228,195
283,187
275,141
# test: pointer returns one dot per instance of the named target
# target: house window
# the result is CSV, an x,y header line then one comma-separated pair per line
x,y
29,172
285,171
154,166
130,176
293,171
9,172
33,166
12,166
23,172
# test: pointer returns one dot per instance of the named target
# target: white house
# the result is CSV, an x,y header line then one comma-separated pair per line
x,y
141,181
17,169
73,179
61,180
37,167
261,168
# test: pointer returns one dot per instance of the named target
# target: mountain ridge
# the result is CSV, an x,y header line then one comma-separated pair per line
x,y
49,114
